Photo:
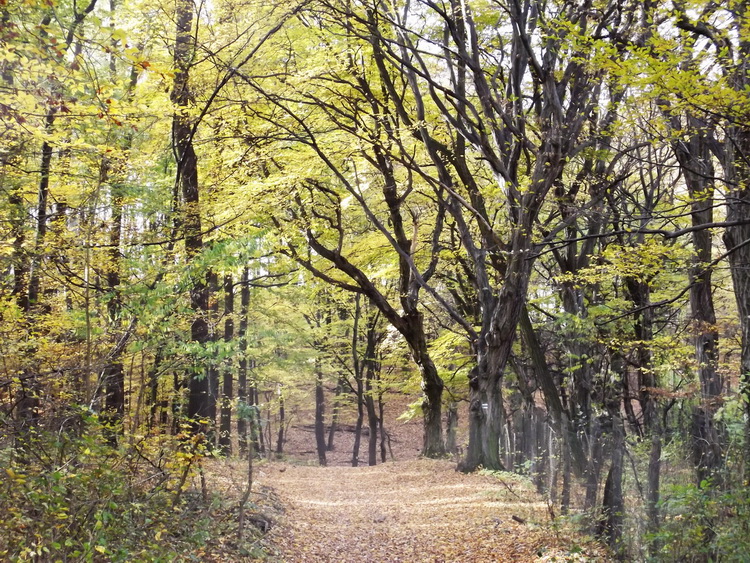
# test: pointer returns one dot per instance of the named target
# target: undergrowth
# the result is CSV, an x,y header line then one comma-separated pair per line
x,y
72,495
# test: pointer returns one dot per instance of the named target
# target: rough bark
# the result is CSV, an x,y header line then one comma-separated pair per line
x,y
613,505
737,171
199,408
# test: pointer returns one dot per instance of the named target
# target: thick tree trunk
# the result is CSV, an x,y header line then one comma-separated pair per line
x,y
486,419
500,318
199,408
736,238
613,505
432,385
696,162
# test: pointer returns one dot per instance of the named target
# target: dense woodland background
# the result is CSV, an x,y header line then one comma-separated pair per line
x,y
525,223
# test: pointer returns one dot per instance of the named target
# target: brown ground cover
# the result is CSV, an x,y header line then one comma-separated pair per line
x,y
411,511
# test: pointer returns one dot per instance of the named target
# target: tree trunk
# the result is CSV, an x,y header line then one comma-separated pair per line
x,y
594,467
500,318
613,506
282,420
227,395
736,237
20,258
335,414
696,164
452,425
654,478
432,385
114,376
213,357
553,398
320,426
242,371
41,213
153,384
640,293
255,400
566,475
200,411
372,421
486,409
358,425
383,433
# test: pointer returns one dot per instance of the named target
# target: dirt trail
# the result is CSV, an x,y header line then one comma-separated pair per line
x,y
413,511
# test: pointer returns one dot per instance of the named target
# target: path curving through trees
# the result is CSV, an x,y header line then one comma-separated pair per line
x,y
411,511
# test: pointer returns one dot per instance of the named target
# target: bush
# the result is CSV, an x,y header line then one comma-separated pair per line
x,y
701,523
71,495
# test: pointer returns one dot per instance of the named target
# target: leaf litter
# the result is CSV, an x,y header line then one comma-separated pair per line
x,y
413,511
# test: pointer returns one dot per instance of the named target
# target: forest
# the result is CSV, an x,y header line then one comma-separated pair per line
x,y
520,225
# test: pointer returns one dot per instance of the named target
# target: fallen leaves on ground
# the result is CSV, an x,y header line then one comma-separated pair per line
x,y
412,511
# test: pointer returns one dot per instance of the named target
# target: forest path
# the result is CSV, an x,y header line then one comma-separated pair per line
x,y
412,511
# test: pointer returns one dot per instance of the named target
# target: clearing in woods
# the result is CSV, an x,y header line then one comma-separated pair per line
x,y
411,511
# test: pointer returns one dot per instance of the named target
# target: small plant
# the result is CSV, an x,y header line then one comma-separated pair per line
x,y
702,523
75,496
